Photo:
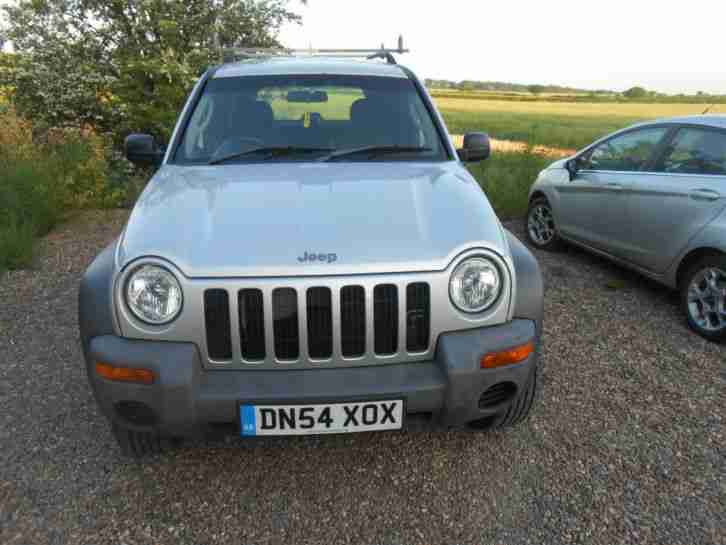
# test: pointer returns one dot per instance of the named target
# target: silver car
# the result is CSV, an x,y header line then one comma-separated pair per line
x,y
311,257
651,197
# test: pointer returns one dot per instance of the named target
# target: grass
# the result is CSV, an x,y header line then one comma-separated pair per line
x,y
506,179
555,124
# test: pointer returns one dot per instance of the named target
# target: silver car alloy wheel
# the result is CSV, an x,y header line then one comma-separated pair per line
x,y
707,299
541,224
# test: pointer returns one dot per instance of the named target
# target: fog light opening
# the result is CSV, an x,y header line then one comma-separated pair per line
x,y
498,394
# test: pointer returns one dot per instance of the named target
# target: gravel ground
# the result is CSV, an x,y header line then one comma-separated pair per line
x,y
627,444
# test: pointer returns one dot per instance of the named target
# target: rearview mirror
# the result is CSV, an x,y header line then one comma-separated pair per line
x,y
141,149
307,96
476,147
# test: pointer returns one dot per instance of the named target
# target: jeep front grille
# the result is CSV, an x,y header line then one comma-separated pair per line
x,y
385,320
329,317
286,325
353,321
418,320
320,323
251,325
217,324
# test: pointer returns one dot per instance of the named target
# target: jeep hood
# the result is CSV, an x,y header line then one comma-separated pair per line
x,y
260,219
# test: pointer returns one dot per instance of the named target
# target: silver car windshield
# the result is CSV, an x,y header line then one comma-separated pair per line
x,y
309,118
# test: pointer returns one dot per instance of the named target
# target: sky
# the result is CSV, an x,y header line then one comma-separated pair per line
x,y
606,44
603,44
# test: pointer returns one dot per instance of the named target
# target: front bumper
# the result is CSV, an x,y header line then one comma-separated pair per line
x,y
186,400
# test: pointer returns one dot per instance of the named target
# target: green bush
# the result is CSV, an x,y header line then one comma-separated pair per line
x,y
45,176
123,67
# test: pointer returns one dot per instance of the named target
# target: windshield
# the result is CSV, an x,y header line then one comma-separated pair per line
x,y
252,118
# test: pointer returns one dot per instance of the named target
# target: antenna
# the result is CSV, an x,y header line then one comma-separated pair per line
x,y
707,110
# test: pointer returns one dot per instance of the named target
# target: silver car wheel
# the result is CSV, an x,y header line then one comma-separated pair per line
x,y
541,224
707,299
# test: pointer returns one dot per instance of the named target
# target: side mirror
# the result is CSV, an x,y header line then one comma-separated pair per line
x,y
476,147
574,166
142,149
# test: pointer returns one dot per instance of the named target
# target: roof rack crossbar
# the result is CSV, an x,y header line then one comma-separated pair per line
x,y
238,53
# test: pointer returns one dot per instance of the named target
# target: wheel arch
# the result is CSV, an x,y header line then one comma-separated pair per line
x,y
538,193
692,257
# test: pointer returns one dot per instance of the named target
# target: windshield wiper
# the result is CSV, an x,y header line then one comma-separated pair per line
x,y
373,151
272,151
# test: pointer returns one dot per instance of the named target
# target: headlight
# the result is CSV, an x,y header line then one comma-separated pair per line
x,y
475,284
153,294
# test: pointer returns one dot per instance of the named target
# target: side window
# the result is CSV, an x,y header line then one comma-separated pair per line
x,y
626,153
695,151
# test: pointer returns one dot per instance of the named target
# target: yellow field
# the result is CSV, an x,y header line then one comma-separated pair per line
x,y
575,108
570,125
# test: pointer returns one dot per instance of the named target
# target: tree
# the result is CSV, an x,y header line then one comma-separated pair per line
x,y
635,93
536,89
126,65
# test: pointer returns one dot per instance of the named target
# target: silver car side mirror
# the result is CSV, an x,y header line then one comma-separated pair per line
x,y
572,166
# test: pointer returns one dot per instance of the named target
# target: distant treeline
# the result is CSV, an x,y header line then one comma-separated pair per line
x,y
504,87
495,90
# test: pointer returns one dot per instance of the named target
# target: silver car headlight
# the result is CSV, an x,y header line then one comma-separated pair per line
x,y
153,294
475,284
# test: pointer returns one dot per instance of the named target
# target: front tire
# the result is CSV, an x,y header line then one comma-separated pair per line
x,y
540,225
703,297
136,444
521,405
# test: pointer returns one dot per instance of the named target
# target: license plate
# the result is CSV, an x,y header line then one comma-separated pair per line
x,y
315,419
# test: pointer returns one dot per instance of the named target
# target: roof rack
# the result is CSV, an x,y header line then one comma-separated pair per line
x,y
241,53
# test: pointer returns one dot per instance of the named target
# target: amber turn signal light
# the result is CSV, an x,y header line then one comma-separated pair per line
x,y
507,357
124,374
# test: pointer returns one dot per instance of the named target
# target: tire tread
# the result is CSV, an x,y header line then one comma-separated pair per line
x,y
137,444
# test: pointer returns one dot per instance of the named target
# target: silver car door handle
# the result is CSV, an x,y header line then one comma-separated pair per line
x,y
614,187
705,195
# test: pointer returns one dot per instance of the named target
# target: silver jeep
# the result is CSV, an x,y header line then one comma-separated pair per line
x,y
311,257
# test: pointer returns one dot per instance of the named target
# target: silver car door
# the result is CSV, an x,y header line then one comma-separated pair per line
x,y
684,193
592,207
